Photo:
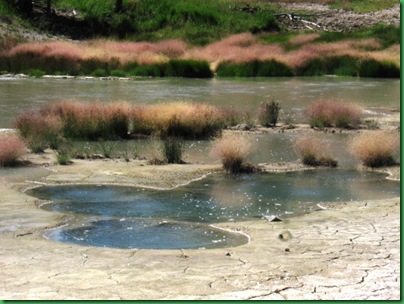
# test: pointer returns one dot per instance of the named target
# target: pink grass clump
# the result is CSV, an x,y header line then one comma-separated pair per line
x,y
238,48
39,130
303,39
12,147
91,120
333,113
48,49
171,48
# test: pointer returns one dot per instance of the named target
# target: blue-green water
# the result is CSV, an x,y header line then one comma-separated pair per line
x,y
129,217
147,234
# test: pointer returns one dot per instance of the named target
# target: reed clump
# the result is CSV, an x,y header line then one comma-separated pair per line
x,y
172,148
232,150
333,113
119,120
12,147
375,148
93,120
40,131
314,152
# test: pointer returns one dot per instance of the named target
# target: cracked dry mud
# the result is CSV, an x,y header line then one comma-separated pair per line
x,y
347,252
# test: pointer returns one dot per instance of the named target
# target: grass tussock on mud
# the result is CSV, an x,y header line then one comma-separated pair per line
x,y
12,147
314,152
376,148
179,119
333,113
232,150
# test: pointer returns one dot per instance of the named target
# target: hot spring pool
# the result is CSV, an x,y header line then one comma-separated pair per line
x,y
182,218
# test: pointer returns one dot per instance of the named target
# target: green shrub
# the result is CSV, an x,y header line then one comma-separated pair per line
x,y
386,34
64,153
172,150
118,73
188,69
268,113
313,67
272,68
98,67
155,70
99,73
34,73
374,68
256,68
341,66
128,67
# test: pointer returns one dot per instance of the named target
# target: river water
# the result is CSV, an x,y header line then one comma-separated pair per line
x,y
293,94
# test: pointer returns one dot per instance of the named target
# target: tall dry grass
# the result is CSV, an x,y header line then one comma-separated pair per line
x,y
391,54
41,131
333,113
238,48
297,53
92,120
96,120
178,119
12,147
232,150
303,39
375,148
314,152
76,56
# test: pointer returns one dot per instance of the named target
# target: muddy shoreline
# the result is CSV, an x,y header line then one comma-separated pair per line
x,y
347,251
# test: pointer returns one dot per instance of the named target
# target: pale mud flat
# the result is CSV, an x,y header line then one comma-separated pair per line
x,y
347,251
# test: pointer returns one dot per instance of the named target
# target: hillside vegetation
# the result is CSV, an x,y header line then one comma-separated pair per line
x,y
195,38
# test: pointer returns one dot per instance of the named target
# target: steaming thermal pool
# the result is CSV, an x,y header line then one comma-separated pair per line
x,y
180,218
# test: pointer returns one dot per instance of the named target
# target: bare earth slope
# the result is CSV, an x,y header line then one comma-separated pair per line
x,y
338,20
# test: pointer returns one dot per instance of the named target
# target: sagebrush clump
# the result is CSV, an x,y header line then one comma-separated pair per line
x,y
268,113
